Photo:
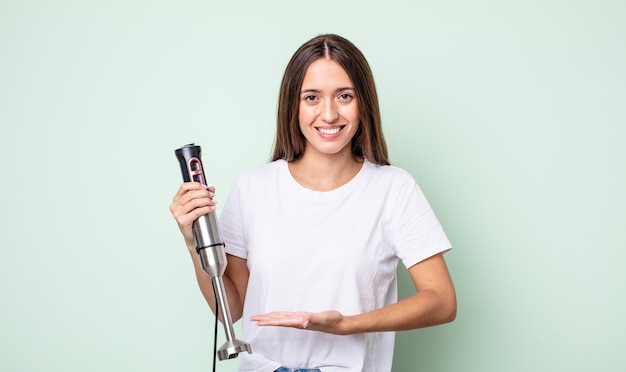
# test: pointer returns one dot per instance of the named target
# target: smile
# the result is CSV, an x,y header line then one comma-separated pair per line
x,y
330,131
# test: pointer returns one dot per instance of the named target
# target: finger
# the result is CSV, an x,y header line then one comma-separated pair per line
x,y
189,196
189,218
189,212
193,209
197,197
189,186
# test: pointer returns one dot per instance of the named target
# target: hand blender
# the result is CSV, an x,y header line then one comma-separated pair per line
x,y
210,248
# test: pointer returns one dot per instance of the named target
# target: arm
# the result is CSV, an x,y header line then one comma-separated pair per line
x,y
235,283
434,303
190,202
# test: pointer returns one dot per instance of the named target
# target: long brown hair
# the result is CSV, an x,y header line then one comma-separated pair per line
x,y
368,141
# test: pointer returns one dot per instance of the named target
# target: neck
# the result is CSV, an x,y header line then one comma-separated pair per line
x,y
325,173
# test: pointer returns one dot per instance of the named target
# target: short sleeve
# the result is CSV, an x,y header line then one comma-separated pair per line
x,y
231,223
417,233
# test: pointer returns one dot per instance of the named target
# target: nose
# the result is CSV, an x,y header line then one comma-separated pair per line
x,y
329,112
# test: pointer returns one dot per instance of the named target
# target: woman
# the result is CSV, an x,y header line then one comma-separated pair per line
x,y
314,237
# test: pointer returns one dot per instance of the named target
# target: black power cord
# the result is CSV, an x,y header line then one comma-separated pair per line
x,y
217,310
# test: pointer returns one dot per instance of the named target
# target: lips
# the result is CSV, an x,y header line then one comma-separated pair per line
x,y
329,131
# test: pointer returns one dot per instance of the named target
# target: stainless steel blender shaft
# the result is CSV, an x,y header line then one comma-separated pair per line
x,y
210,248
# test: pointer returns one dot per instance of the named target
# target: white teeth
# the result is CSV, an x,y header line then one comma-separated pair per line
x,y
328,131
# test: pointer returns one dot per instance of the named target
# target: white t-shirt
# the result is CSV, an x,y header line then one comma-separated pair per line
x,y
313,251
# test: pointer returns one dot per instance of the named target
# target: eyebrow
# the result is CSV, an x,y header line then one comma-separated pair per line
x,y
312,90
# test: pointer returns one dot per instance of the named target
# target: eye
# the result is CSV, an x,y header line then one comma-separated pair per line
x,y
346,97
309,98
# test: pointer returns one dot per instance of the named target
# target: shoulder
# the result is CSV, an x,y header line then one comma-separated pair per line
x,y
260,174
388,173
395,183
263,170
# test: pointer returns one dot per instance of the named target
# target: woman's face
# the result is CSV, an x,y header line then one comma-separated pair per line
x,y
329,112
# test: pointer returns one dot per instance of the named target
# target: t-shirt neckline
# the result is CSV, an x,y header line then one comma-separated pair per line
x,y
339,192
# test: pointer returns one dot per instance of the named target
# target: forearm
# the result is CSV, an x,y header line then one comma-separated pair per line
x,y
424,309
206,287
433,303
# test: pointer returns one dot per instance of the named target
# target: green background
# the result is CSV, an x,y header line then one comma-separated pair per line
x,y
510,114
